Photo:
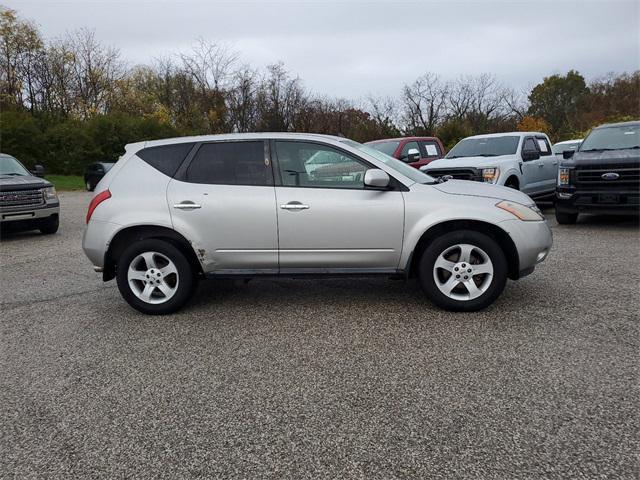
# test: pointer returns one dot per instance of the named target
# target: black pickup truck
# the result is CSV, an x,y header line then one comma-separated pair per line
x,y
603,175
27,202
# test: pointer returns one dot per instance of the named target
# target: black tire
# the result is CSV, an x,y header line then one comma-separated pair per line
x,y
566,218
440,245
512,183
89,186
186,277
50,225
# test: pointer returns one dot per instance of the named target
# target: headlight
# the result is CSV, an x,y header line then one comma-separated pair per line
x,y
490,175
564,176
523,212
50,193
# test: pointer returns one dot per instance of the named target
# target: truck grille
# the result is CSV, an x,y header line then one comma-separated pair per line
x,y
457,173
628,175
21,199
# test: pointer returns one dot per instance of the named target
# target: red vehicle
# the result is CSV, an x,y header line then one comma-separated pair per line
x,y
416,151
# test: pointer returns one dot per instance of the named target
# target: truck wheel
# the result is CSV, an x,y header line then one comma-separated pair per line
x,y
50,225
463,270
566,218
512,183
154,277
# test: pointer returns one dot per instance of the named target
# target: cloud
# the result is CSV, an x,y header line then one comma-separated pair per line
x,y
350,48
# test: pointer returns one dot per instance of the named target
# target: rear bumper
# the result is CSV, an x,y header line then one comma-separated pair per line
x,y
533,240
613,202
95,241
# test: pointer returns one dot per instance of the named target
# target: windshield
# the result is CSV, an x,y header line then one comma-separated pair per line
x,y
385,147
558,148
406,170
485,147
11,166
612,138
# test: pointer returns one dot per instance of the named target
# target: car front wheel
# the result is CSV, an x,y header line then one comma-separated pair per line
x,y
50,225
463,270
154,277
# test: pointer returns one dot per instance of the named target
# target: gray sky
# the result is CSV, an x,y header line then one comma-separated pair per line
x,y
351,48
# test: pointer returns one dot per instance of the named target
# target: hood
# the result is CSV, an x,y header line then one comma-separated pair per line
x,y
485,190
463,162
23,182
628,155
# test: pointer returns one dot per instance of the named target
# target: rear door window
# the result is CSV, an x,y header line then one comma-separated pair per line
x,y
231,163
166,158
543,146
430,149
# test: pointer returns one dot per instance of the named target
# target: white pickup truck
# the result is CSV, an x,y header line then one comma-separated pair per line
x,y
520,160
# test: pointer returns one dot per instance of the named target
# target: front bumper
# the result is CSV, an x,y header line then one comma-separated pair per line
x,y
30,214
533,240
602,201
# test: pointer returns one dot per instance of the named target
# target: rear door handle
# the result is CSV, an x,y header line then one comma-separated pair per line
x,y
187,205
294,206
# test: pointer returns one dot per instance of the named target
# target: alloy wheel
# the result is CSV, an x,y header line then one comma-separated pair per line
x,y
463,272
153,277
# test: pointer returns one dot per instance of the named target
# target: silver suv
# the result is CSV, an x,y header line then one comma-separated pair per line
x,y
245,205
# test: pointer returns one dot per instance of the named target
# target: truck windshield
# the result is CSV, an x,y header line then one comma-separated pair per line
x,y
11,166
385,147
620,137
406,170
485,147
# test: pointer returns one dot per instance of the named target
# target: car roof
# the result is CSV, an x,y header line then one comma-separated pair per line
x,y
504,134
399,139
239,136
577,140
635,123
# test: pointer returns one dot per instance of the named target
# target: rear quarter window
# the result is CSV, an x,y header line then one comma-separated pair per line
x,y
166,158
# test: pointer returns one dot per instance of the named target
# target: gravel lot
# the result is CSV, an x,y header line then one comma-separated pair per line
x,y
321,379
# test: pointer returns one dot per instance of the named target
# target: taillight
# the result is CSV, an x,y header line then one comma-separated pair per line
x,y
97,200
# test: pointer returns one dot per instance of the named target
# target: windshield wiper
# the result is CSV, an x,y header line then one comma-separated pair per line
x,y
599,149
12,174
488,155
456,156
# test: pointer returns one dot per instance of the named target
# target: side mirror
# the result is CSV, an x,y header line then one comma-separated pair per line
x,y
413,155
376,178
530,155
38,171
567,154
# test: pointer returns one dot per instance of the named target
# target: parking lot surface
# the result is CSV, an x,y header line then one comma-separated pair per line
x,y
321,379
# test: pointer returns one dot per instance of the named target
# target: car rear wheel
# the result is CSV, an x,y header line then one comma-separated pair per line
x,y
463,270
154,277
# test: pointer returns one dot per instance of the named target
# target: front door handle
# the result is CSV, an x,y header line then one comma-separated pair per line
x,y
294,206
187,205
540,165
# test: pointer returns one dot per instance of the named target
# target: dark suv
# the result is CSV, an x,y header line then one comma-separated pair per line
x,y
27,202
603,175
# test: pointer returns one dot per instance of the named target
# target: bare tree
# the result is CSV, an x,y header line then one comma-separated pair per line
x,y
96,69
424,103
242,99
210,64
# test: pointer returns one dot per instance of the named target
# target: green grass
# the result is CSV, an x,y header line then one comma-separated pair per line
x,y
66,182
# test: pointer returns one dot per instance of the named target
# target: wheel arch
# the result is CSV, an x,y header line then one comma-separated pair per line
x,y
125,237
498,234
513,176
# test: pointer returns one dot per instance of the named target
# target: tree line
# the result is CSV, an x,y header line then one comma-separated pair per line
x,y
70,101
